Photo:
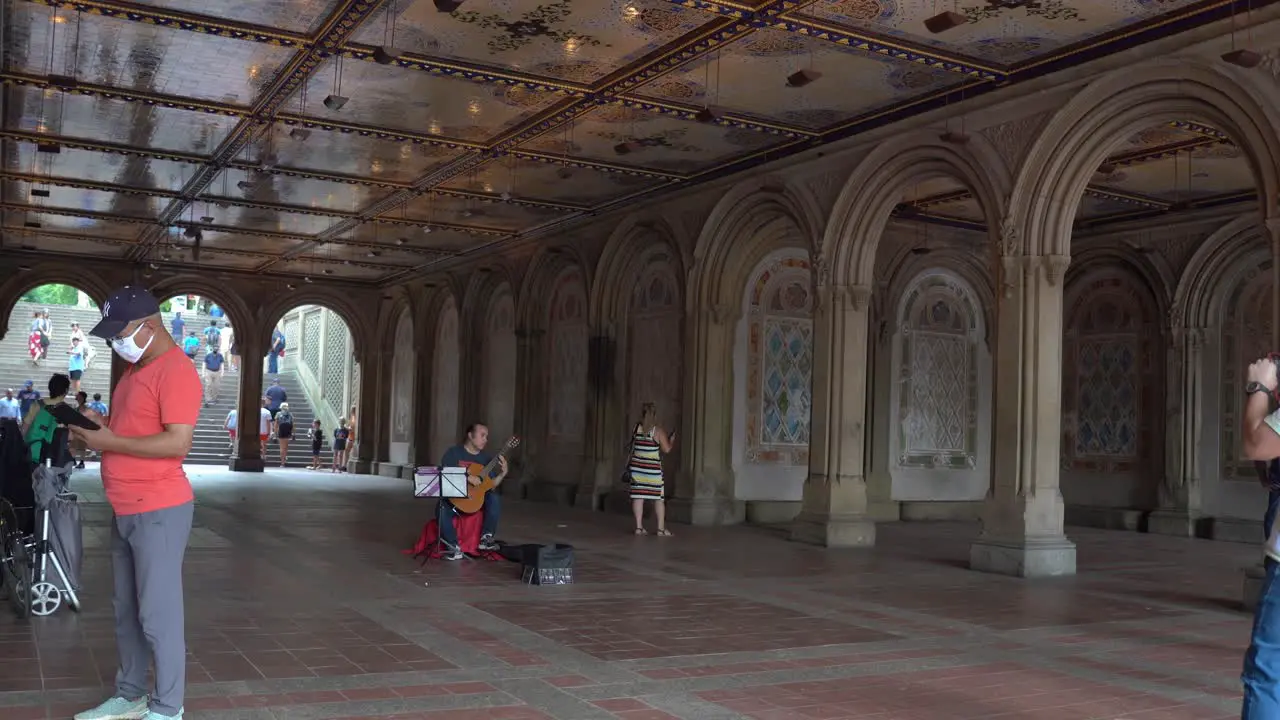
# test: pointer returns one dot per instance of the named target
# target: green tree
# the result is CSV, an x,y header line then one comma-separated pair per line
x,y
52,294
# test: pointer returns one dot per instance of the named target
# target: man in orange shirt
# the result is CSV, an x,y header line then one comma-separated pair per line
x,y
154,410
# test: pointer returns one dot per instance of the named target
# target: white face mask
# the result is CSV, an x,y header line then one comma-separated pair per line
x,y
128,350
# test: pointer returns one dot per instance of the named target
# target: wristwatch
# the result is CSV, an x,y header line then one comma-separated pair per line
x,y
1255,387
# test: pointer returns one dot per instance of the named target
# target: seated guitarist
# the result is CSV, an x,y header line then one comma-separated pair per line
x,y
471,451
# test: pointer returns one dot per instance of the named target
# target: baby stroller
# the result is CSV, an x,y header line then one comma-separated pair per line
x,y
26,559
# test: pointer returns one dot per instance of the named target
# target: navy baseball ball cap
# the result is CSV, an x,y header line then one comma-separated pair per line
x,y
125,305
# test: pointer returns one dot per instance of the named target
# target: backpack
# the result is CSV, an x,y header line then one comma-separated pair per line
x,y
45,440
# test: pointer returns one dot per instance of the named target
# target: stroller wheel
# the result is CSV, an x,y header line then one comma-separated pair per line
x,y
45,599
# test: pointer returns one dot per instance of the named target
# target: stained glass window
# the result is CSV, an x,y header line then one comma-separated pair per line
x,y
779,361
937,405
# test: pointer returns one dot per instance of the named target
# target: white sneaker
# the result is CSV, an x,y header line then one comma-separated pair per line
x,y
118,708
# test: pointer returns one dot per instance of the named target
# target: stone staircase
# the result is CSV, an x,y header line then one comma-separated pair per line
x,y
210,445
15,364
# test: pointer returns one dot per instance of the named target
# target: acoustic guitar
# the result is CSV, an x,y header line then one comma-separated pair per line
x,y
474,500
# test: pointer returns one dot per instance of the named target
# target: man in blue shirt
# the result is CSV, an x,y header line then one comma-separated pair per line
x,y
212,335
212,375
275,395
178,325
27,397
98,406
10,407
471,451
75,364
277,352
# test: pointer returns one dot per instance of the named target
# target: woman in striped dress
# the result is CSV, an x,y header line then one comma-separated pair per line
x,y
648,443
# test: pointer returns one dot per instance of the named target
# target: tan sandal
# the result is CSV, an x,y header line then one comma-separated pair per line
x,y
641,531
663,532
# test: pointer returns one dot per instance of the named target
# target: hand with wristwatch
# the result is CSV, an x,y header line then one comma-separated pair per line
x,y
1261,376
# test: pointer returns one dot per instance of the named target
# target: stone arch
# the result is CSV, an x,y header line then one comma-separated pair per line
x,y
1080,136
236,307
940,404
1239,328
1112,449
346,305
446,365
970,268
749,222
653,340
58,271
498,396
1152,268
1198,298
626,252
852,236
538,281
773,378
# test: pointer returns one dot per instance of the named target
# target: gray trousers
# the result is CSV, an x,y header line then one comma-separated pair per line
x,y
146,556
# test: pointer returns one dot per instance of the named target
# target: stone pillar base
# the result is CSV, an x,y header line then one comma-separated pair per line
x,y
1253,577
1172,522
833,530
1024,557
592,500
706,511
360,467
246,464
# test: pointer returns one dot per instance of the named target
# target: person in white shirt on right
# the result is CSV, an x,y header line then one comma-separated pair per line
x,y
230,427
264,424
1260,441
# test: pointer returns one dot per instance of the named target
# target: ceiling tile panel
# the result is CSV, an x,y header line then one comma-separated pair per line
x,y
1001,32
750,78
291,190
569,40
552,182
97,201
313,268
397,98
299,16
270,220
218,240
665,143
474,212
101,167
85,244
216,260
134,124
141,56
353,154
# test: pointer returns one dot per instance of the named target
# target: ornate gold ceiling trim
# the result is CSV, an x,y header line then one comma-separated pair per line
x,y
63,235
469,72
1144,155
312,123
73,212
448,226
102,147
10,77
190,22
1127,198
497,199
317,175
79,184
690,112
600,165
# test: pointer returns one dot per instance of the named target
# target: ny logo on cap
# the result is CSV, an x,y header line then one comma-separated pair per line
x,y
106,309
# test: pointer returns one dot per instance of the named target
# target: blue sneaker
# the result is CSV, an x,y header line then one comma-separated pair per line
x,y
153,715
118,708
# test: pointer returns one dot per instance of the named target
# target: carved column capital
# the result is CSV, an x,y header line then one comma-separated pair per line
x,y
1196,337
720,313
821,270
1010,237
852,297
1055,268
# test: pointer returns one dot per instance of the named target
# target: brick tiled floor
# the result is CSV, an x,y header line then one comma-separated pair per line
x,y
301,607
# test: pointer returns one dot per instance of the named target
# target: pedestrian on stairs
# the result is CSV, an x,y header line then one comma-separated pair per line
x,y
212,375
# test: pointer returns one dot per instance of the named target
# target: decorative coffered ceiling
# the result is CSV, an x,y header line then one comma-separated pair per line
x,y
502,118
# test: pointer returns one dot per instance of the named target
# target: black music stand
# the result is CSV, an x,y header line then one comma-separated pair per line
x,y
443,484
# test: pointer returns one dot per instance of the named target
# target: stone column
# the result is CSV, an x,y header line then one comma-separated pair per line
x,y
834,509
374,414
1179,501
1022,518
248,452
529,419
601,440
705,482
